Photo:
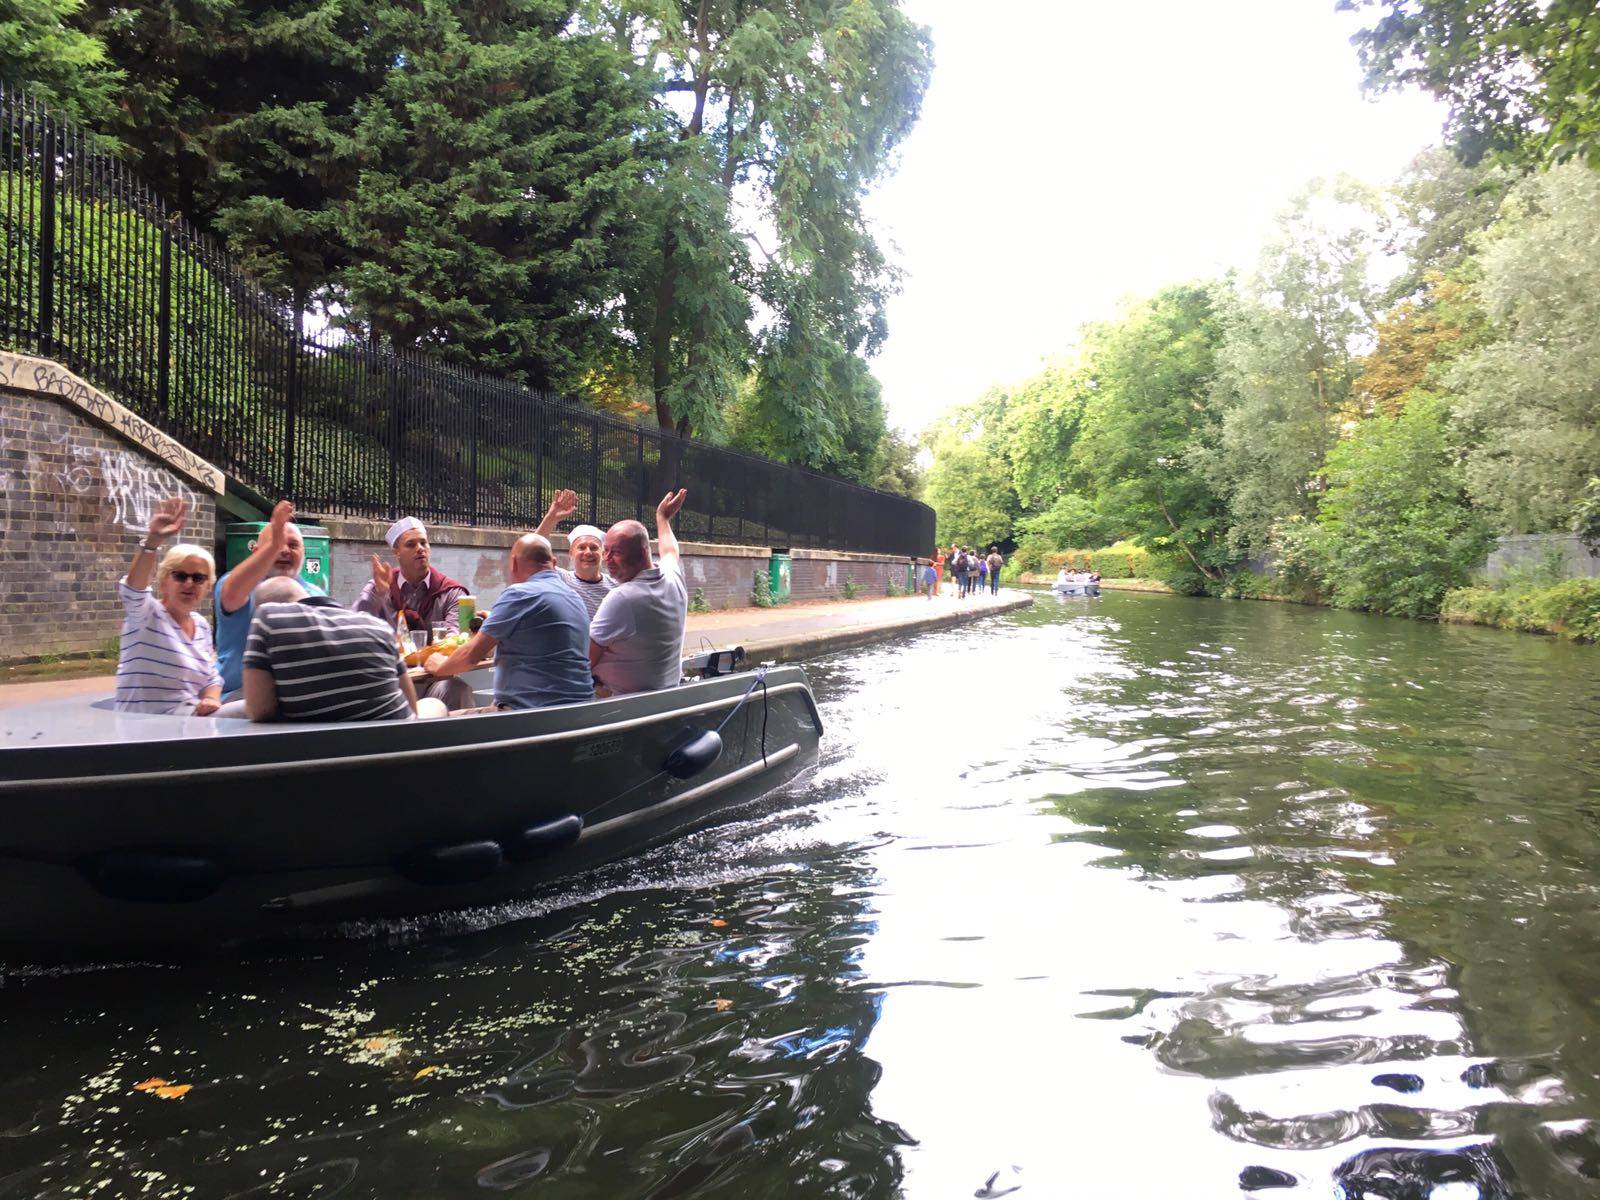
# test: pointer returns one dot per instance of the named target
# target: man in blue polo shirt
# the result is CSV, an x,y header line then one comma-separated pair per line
x,y
538,632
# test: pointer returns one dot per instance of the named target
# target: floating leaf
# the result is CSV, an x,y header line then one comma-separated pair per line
x,y
723,1005
175,1091
377,1044
425,1071
151,1084
718,923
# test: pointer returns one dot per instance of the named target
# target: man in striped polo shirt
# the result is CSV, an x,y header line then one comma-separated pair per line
x,y
308,658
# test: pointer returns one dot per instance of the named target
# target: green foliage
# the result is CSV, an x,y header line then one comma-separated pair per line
x,y
898,469
487,221
1568,609
44,54
970,490
849,588
1529,399
798,106
1071,521
761,591
1151,416
893,588
697,602
1289,358
1522,77
1586,516
1396,531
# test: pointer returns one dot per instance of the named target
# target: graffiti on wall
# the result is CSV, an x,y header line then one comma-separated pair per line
x,y
47,378
119,485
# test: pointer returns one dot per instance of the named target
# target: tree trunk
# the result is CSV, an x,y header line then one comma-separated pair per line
x,y
1209,572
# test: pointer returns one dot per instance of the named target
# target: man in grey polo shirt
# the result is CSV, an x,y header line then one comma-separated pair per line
x,y
636,638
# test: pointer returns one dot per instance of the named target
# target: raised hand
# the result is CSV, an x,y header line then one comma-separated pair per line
x,y
670,504
282,514
564,503
167,520
382,575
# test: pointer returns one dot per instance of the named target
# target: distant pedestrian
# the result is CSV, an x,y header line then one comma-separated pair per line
x,y
996,561
930,579
983,573
963,574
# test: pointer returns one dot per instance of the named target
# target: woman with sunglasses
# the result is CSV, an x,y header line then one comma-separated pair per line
x,y
167,663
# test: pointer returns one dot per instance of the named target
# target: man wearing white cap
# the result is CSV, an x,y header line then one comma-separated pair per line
x,y
583,546
417,590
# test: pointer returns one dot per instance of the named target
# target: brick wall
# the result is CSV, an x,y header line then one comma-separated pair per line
x,y
817,575
74,501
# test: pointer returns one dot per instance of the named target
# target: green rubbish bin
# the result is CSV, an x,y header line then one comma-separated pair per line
x,y
778,576
911,578
316,574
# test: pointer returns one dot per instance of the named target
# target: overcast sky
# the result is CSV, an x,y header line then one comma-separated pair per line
x,y
1071,153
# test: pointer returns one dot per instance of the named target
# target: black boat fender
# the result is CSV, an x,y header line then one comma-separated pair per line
x,y
694,755
548,837
153,876
458,862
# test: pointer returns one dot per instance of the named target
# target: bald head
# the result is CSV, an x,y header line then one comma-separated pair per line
x,y
626,550
530,554
280,589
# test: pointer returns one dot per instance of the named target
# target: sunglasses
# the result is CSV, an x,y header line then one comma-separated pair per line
x,y
190,576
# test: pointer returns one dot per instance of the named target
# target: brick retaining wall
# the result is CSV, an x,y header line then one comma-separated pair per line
x,y
74,501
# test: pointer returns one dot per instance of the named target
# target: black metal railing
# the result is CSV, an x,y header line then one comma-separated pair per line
x,y
97,273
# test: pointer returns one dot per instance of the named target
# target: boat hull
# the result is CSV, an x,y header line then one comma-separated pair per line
x,y
180,836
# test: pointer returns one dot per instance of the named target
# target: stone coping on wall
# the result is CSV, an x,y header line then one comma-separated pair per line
x,y
854,556
24,373
360,529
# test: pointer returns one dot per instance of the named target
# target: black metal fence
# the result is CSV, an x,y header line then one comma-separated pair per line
x,y
96,273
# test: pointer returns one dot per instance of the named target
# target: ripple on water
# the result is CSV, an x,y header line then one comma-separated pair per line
x,y
1169,898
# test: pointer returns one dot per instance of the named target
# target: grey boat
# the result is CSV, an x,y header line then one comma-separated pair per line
x,y
128,830
1082,587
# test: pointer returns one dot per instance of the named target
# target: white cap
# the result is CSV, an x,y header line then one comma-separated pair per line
x,y
585,531
402,527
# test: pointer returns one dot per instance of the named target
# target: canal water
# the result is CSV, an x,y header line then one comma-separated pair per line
x,y
1143,897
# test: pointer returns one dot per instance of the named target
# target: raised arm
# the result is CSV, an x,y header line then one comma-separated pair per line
x,y
666,540
165,522
562,505
241,581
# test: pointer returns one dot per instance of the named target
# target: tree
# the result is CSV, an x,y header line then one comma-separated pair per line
x,y
487,221
44,54
1529,398
243,113
970,491
1042,422
1396,529
1522,77
795,108
898,469
1415,338
1151,413
1291,344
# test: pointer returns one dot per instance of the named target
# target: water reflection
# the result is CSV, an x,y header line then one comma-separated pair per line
x,y
1145,897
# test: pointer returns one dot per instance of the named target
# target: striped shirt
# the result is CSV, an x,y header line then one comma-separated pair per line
x,y
590,592
327,663
160,668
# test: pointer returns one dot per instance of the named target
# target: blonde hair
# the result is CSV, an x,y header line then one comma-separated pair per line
x,y
176,554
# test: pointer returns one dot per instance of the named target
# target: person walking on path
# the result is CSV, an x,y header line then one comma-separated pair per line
x,y
983,573
930,579
995,563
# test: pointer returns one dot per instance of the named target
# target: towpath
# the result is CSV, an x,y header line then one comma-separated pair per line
x,y
783,634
